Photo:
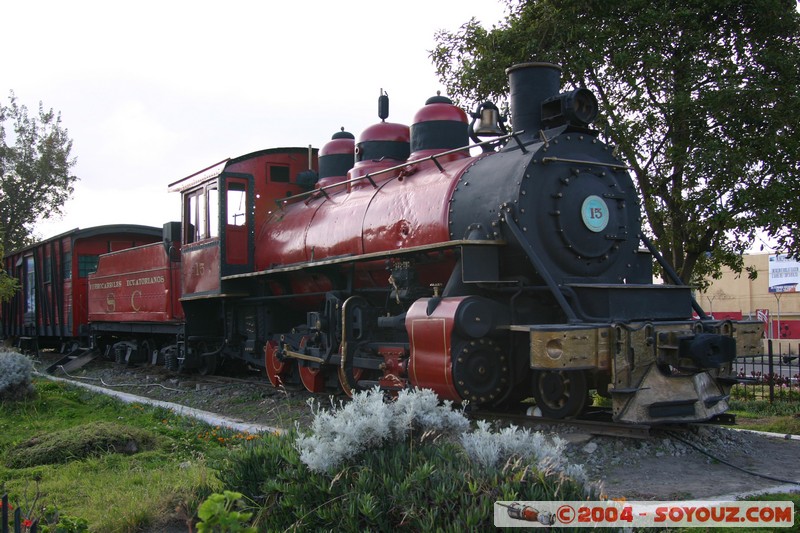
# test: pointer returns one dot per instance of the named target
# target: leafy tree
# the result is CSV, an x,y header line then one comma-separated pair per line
x,y
35,171
701,97
8,285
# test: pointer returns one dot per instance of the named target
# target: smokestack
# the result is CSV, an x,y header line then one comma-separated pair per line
x,y
531,84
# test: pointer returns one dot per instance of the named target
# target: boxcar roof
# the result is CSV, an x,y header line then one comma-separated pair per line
x,y
109,229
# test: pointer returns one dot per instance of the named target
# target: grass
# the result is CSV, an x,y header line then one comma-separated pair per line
x,y
172,470
167,476
777,417
773,424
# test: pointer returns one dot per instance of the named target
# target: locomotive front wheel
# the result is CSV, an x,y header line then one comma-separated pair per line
x,y
560,393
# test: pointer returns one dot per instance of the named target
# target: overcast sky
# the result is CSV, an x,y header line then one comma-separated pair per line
x,y
152,92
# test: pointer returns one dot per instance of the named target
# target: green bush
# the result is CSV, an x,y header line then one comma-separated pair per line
x,y
78,443
410,485
787,395
740,392
54,521
242,469
409,464
15,377
218,514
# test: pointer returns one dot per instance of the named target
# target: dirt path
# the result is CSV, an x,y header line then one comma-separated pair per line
x,y
696,476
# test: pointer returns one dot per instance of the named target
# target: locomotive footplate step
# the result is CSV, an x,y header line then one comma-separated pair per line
x,y
71,362
64,360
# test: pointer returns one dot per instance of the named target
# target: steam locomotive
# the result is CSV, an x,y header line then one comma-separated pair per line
x,y
492,271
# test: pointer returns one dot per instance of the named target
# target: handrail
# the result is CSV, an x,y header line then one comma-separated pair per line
x,y
281,202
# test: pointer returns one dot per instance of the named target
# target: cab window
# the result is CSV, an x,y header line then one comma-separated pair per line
x,y
201,213
236,204
194,216
213,212
279,173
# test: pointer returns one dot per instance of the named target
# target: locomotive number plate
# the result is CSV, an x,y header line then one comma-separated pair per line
x,y
594,213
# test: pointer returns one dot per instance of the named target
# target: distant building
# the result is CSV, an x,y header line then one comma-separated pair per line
x,y
771,297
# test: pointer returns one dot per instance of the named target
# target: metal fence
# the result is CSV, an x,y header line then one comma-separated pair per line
x,y
20,524
774,376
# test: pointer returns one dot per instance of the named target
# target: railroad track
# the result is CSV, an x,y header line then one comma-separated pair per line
x,y
598,421
596,426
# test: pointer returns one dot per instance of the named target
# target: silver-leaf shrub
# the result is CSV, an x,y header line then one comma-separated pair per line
x,y
343,432
490,449
367,422
16,371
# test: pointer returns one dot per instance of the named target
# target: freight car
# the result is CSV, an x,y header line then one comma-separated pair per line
x,y
489,272
52,306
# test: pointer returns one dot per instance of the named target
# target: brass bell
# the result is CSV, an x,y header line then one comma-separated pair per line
x,y
488,122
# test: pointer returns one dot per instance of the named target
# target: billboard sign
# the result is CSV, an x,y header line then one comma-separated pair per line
x,y
784,273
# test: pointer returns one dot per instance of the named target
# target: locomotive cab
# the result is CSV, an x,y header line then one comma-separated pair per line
x,y
222,207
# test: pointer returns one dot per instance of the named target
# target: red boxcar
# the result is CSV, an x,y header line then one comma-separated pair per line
x,y
52,304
